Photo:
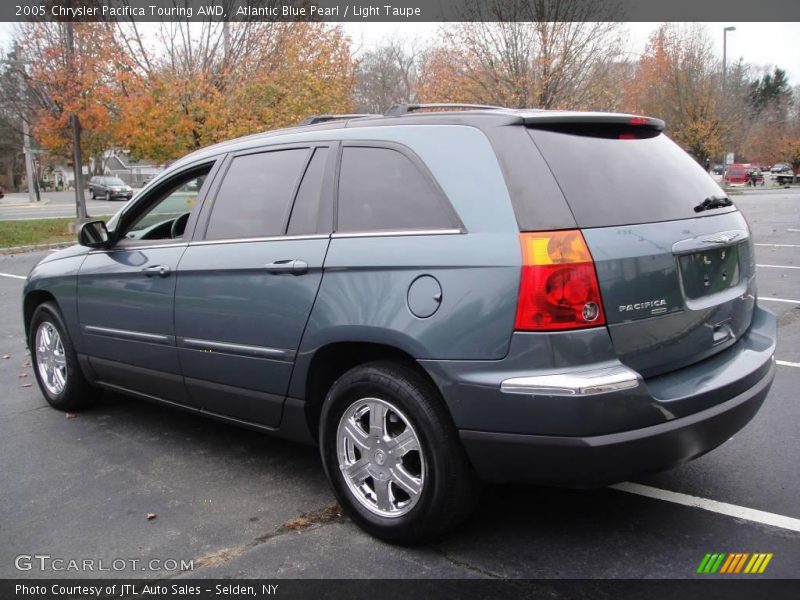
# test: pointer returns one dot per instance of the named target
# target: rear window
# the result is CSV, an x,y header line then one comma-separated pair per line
x,y
610,181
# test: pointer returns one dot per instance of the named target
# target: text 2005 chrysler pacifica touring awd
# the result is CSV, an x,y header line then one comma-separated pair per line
x,y
434,297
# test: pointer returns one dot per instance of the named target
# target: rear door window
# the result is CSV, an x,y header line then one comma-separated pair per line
x,y
625,179
306,211
255,197
381,189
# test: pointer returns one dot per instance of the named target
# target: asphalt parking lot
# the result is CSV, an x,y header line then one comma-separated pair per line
x,y
240,504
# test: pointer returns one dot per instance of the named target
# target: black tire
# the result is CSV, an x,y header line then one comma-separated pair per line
x,y
91,193
77,393
108,196
449,491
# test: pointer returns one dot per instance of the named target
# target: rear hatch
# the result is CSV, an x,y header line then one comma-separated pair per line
x,y
673,256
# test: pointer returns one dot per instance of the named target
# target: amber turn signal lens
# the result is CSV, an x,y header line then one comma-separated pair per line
x,y
558,288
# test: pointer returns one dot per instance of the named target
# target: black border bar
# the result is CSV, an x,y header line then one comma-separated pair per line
x,y
711,588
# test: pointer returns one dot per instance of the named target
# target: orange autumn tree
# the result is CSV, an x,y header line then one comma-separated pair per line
x,y
787,147
204,83
444,77
90,86
675,80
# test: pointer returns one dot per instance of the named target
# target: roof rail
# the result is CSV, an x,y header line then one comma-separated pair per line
x,y
314,119
401,109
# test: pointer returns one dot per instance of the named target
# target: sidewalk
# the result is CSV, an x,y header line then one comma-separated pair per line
x,y
21,199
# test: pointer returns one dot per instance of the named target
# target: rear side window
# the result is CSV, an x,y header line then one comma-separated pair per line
x,y
625,179
305,213
381,189
255,196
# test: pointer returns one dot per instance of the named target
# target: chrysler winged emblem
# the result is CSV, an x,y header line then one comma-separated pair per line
x,y
720,238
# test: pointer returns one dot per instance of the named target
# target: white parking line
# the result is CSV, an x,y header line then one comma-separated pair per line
x,y
795,230
760,298
722,508
778,267
786,363
12,276
780,245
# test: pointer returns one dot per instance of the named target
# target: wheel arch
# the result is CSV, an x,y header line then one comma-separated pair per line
x,y
329,362
32,300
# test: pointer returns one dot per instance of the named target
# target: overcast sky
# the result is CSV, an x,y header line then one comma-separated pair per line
x,y
760,44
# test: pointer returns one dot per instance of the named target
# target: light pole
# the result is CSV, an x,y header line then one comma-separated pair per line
x,y
80,199
725,31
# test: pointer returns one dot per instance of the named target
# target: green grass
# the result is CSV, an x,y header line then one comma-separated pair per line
x,y
39,231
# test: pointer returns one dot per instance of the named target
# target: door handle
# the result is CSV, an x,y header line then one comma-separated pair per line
x,y
293,267
160,270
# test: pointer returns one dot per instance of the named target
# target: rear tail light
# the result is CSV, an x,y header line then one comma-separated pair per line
x,y
559,288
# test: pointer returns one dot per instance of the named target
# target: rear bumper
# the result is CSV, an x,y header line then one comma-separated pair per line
x,y
604,459
594,421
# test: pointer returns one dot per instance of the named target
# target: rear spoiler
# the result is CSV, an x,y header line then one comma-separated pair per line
x,y
567,120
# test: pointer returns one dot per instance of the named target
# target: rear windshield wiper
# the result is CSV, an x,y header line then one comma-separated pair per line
x,y
713,202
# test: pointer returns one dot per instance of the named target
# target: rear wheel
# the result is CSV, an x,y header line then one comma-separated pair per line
x,y
393,455
92,194
55,362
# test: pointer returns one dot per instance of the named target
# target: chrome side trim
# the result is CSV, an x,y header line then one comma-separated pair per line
x,y
576,383
274,238
363,234
240,349
124,334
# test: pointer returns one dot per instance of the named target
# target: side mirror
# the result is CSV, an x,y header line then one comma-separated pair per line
x,y
94,234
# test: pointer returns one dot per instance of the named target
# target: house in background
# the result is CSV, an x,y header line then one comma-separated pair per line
x,y
56,176
135,172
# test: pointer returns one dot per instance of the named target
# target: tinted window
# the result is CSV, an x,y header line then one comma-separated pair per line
x,y
381,189
255,195
610,181
305,214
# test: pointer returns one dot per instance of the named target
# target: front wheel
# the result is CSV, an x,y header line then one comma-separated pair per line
x,y
108,196
393,455
55,362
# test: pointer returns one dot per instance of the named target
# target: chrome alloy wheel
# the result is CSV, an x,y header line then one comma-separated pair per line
x,y
50,358
380,457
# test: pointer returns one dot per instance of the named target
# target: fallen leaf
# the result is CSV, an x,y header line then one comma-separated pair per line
x,y
151,516
297,524
22,375
70,415
26,385
27,363
6,356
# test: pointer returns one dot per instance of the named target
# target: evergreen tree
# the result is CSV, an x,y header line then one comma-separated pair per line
x,y
771,93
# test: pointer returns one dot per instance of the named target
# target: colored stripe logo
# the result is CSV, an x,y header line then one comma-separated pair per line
x,y
734,563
